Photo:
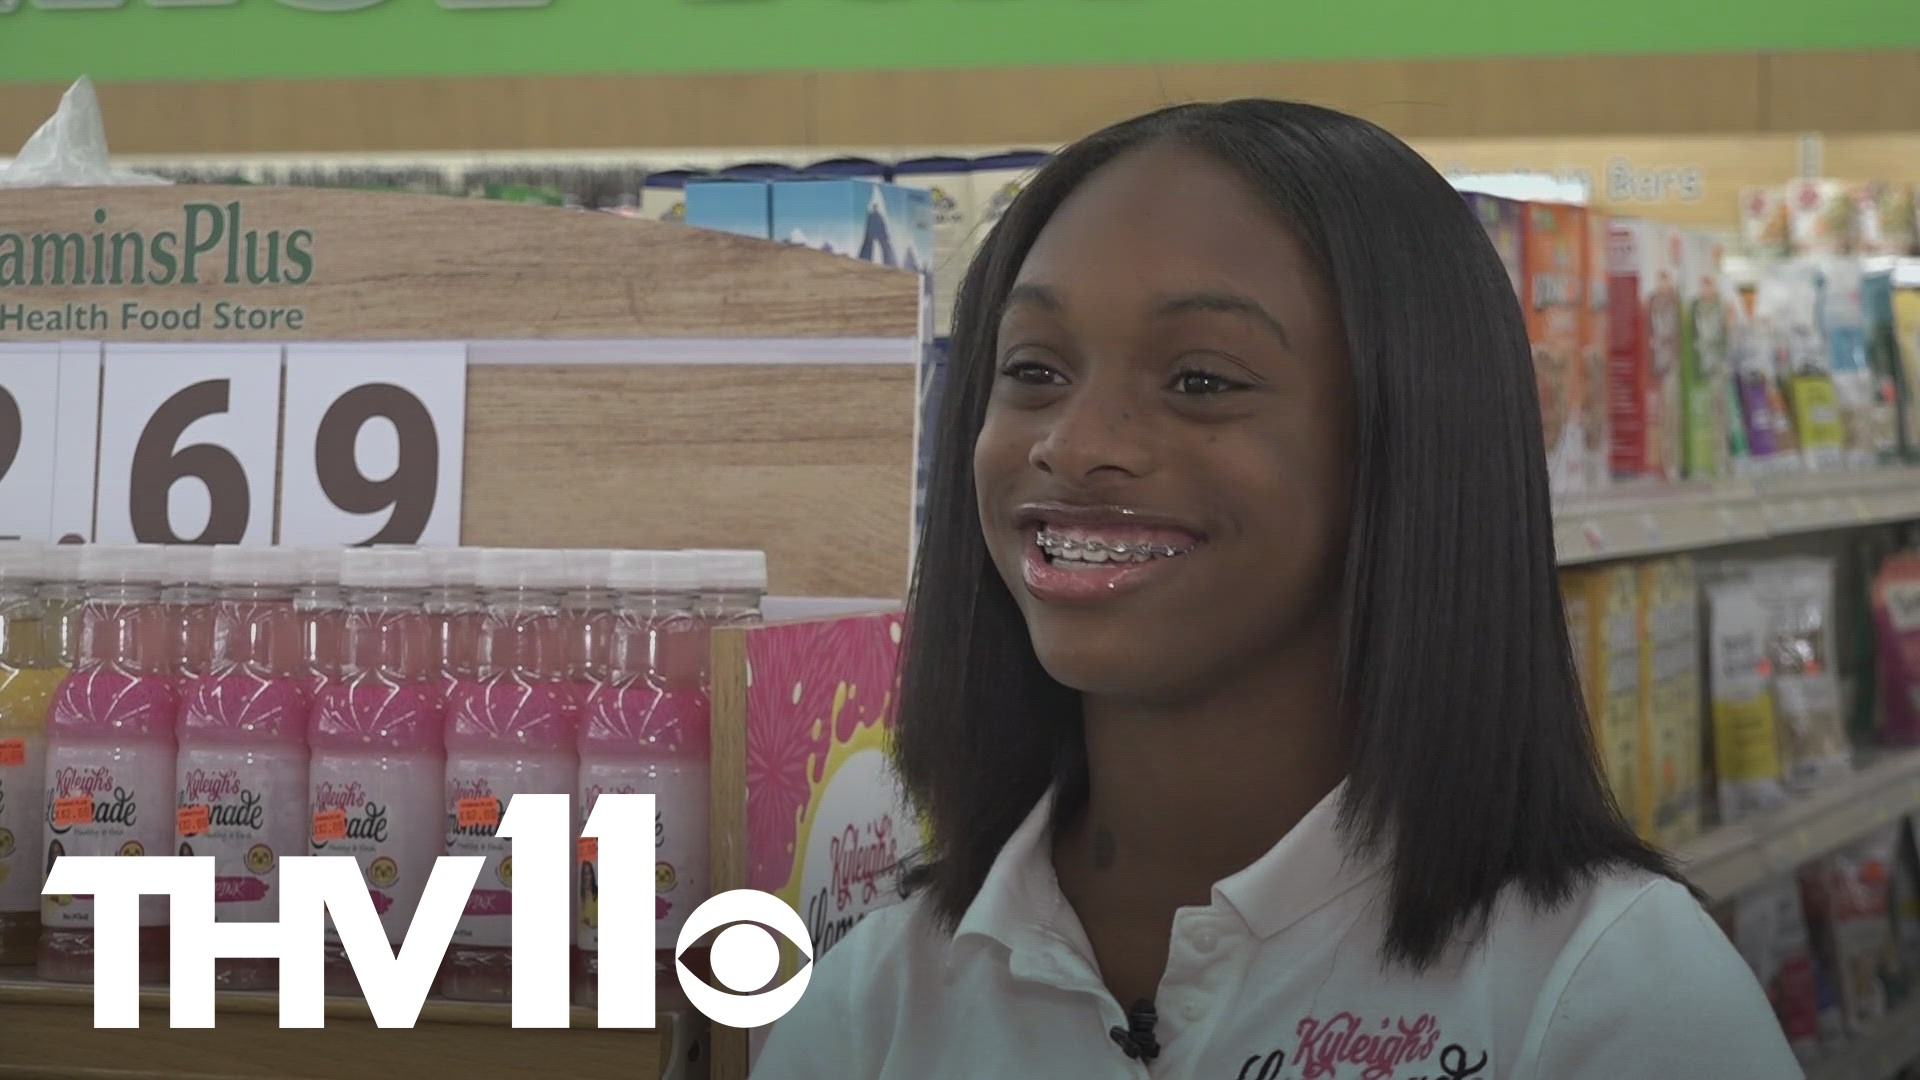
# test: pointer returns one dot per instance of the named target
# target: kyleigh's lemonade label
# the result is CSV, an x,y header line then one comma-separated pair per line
x,y
247,809
115,806
478,792
385,812
679,838
23,765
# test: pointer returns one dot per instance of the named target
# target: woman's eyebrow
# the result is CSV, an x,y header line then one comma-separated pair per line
x,y
1044,296
1227,302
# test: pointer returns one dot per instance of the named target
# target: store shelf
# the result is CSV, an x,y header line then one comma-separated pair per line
x,y
1892,1047
1635,521
50,1033
1735,858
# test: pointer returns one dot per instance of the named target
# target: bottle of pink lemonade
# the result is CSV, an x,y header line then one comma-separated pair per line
x,y
511,729
110,751
377,742
241,788
644,731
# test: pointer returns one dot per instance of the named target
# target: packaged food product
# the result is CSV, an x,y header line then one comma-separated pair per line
x,y
1553,239
1671,733
1846,894
1764,226
1608,597
1905,305
1797,595
1593,352
1770,446
1821,218
1905,905
1769,928
1705,374
1789,299
1645,265
1896,612
1500,217
1746,744
1870,427
1883,217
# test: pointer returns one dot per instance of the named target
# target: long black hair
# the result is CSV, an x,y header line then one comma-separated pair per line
x,y
1472,766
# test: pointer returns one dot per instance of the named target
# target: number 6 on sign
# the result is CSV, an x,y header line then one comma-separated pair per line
x,y
187,437
374,444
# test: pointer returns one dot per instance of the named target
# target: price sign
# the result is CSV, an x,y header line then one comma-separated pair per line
x,y
77,434
375,442
187,444
29,392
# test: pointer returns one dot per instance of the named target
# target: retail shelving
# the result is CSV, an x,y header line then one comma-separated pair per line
x,y
1731,859
1634,521
1893,1046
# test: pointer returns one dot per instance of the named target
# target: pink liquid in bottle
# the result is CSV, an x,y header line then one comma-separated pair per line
x,y
241,778
187,594
110,752
645,731
377,739
511,730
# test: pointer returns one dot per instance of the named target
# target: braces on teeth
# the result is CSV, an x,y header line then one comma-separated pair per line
x,y
1057,546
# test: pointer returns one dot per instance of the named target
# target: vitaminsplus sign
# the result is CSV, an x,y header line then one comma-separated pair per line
x,y
57,40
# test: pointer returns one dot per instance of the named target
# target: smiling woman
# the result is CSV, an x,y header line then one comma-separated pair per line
x,y
1237,692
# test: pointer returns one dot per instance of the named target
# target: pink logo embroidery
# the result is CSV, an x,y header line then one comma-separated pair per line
x,y
1326,1045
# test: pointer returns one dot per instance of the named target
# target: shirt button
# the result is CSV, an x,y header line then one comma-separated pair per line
x,y
1205,942
1193,1012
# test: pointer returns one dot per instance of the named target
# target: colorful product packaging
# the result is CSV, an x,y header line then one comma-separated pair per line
x,y
1553,242
948,182
1593,352
1645,265
1671,731
1905,305
1846,894
1609,597
1802,664
1769,927
1883,217
878,223
741,207
1789,300
1896,612
997,180
1870,425
1821,218
663,196
1766,230
1746,742
1501,218
1705,372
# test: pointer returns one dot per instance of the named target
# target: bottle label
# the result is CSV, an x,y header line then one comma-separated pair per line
x,y
679,836
478,793
247,809
23,771
388,810
131,791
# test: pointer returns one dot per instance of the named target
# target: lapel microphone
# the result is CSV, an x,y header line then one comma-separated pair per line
x,y
1136,1039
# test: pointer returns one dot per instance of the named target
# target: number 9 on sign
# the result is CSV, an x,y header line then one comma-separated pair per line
x,y
373,444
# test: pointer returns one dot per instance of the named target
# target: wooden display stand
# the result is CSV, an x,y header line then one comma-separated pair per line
x,y
632,384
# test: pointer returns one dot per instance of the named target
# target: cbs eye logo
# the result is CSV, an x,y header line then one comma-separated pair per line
x,y
744,957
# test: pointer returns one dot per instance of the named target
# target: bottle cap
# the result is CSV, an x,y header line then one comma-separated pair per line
x,y
188,564
318,565
128,564
22,562
457,567
733,571
590,568
654,571
61,562
235,565
385,567
523,568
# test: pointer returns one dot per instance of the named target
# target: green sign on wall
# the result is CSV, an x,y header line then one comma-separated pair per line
x,y
57,40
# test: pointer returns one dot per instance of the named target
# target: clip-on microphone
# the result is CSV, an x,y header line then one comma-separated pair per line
x,y
1136,1039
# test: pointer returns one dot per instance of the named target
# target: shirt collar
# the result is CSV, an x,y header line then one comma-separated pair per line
x,y
1310,867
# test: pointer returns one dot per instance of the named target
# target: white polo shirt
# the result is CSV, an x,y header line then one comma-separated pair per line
x,y
1280,978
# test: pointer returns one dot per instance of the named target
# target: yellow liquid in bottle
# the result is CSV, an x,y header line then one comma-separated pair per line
x,y
26,692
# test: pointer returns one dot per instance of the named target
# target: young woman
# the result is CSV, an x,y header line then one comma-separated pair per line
x,y
1238,695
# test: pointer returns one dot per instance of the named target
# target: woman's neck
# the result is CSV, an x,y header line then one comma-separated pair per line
x,y
1194,792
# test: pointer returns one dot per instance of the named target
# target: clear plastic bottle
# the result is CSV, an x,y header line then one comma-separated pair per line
x,y
453,603
588,608
378,742
110,751
645,731
323,618
241,777
733,585
28,678
188,594
511,730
